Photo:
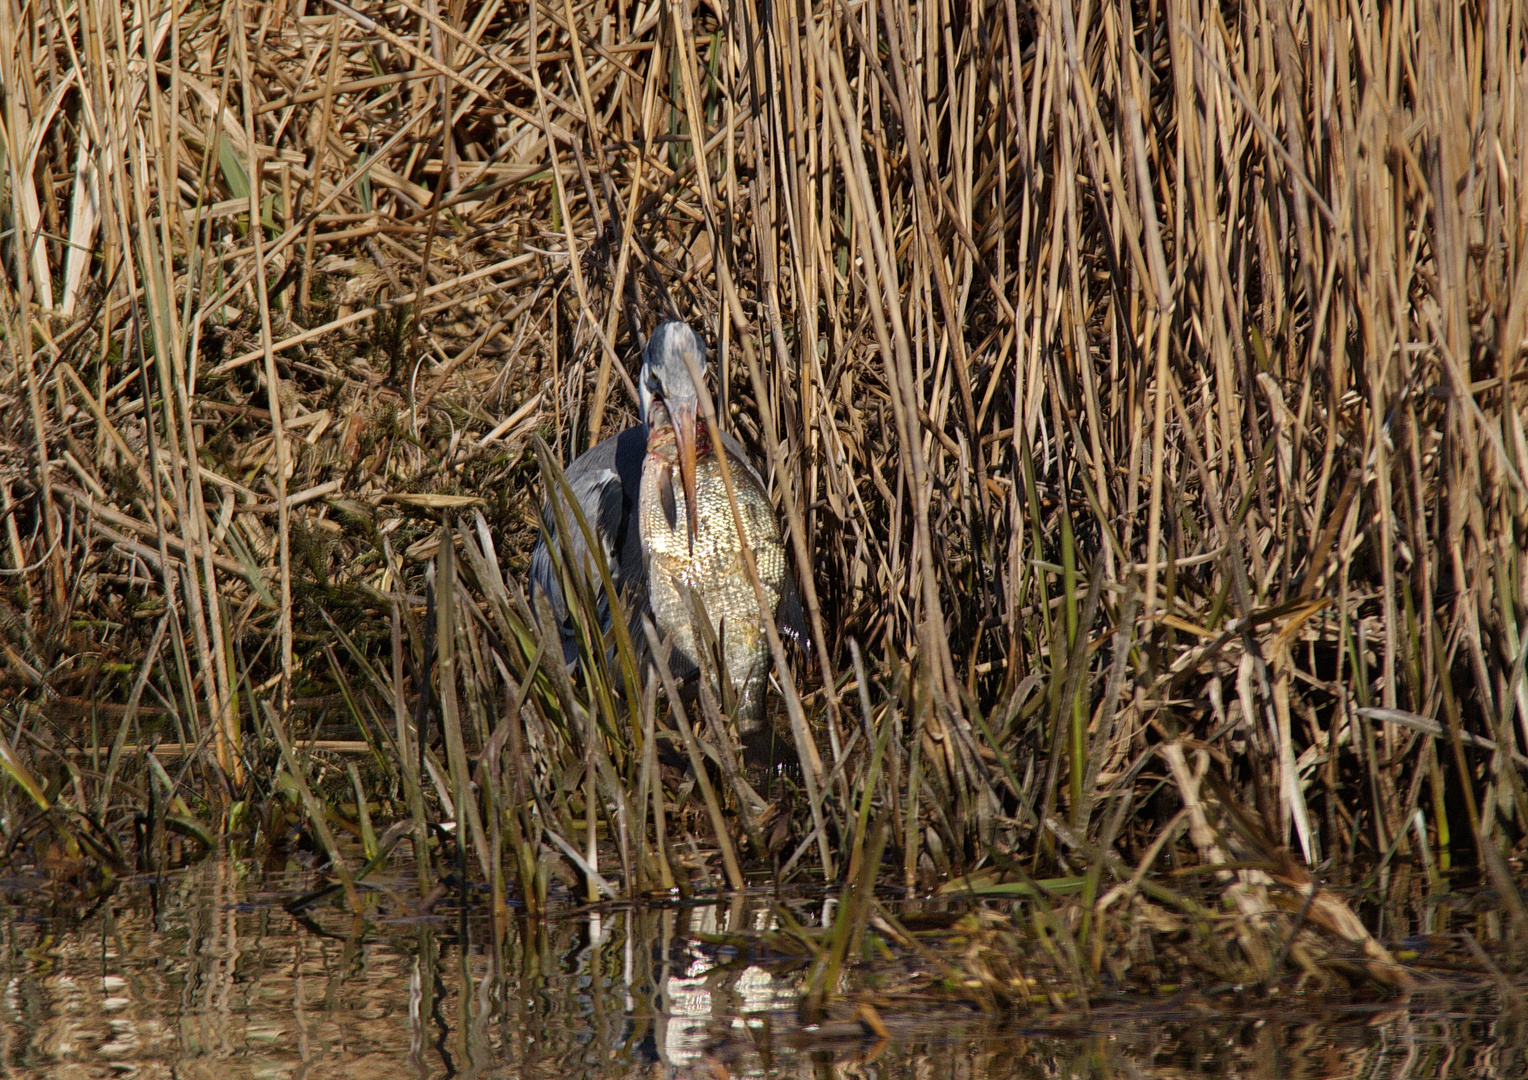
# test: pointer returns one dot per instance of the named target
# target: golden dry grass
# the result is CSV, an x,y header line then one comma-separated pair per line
x,y
1141,384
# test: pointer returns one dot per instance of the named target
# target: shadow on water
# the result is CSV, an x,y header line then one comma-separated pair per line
x,y
205,974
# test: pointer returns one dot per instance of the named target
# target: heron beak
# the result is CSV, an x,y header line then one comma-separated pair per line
x,y
683,416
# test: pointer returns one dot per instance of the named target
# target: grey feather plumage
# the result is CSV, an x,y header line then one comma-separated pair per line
x,y
607,481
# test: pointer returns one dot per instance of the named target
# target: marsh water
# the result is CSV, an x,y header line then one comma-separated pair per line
x,y
204,973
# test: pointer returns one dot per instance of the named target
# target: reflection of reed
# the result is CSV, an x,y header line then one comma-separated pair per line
x,y
213,979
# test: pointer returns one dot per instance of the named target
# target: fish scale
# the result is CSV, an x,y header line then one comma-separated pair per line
x,y
714,569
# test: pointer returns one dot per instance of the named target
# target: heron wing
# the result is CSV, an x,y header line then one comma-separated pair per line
x,y
605,481
738,456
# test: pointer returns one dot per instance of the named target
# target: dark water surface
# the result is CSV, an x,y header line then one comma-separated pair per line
x,y
205,975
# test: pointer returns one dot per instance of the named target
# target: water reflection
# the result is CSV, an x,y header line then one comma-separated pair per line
x,y
206,976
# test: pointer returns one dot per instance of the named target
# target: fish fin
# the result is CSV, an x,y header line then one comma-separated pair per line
x,y
666,498
790,616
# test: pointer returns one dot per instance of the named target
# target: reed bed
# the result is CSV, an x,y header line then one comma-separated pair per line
x,y
1140,383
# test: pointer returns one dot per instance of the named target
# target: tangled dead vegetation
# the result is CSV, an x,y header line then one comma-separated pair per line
x,y
1141,387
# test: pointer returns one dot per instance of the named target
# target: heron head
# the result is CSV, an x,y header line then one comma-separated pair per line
x,y
669,397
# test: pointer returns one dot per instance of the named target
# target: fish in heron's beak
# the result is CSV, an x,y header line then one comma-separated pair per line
x,y
683,416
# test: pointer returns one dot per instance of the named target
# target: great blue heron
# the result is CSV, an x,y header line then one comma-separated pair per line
x,y
656,502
